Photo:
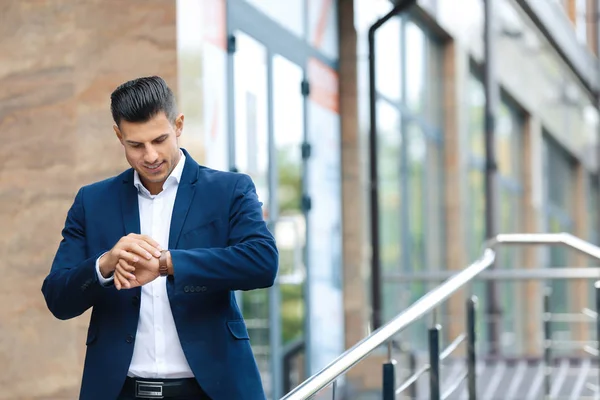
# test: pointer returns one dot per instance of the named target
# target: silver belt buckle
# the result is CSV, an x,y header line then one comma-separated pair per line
x,y
150,390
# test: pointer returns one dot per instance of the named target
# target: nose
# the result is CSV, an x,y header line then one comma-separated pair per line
x,y
151,155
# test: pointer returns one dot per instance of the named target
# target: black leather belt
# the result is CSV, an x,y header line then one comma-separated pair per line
x,y
142,388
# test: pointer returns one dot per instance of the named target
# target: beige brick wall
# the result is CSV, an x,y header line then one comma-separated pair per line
x,y
62,60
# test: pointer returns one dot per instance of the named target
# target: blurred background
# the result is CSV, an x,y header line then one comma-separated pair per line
x,y
280,90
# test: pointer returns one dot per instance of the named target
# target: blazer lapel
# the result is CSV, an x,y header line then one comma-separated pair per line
x,y
183,200
129,205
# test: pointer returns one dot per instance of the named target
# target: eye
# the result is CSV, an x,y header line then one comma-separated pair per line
x,y
161,139
135,145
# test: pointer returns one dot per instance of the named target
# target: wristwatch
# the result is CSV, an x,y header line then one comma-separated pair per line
x,y
163,267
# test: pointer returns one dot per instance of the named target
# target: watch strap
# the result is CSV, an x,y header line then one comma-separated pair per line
x,y
163,267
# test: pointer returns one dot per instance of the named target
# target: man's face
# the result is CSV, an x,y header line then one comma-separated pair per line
x,y
151,148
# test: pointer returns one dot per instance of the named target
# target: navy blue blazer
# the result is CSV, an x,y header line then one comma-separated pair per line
x,y
219,243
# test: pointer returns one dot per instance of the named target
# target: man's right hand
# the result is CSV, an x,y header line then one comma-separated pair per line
x,y
130,248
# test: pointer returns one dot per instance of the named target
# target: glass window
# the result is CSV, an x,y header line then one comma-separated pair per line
x,y
434,71
322,24
417,159
559,178
388,66
509,141
509,154
410,162
389,142
415,69
592,207
288,13
476,96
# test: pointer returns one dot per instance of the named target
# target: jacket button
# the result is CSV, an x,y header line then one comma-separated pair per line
x,y
135,301
201,289
186,289
192,289
129,339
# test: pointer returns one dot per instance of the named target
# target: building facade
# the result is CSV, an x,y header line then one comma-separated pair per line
x,y
280,91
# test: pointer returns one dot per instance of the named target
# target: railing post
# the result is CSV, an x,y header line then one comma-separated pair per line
x,y
389,375
434,361
389,380
547,342
471,360
597,289
413,369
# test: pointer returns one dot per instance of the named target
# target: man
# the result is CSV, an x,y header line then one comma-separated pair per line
x,y
157,253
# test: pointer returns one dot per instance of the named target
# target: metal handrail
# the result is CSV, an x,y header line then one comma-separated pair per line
x,y
413,313
427,303
534,274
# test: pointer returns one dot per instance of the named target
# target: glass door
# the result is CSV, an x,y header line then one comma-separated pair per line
x,y
267,133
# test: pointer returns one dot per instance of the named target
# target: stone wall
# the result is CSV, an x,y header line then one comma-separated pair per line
x,y
60,60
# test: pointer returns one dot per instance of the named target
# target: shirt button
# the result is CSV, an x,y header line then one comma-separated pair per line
x,y
129,339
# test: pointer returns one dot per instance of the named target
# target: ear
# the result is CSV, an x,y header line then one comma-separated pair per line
x,y
179,125
118,133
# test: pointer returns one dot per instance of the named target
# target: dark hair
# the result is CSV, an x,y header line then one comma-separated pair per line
x,y
141,99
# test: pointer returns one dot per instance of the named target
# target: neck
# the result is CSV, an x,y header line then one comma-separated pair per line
x,y
153,187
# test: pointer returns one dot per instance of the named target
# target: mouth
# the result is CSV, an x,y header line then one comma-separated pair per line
x,y
153,169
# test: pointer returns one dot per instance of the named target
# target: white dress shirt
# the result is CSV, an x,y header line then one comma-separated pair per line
x,y
157,351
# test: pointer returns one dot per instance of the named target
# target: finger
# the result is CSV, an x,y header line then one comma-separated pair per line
x,y
121,278
125,269
137,249
128,256
149,248
119,281
150,241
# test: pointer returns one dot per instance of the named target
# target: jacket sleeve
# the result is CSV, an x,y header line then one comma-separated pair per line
x,y
72,285
250,260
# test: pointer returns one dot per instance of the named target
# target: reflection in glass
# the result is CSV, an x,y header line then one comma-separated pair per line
x,y
476,97
560,188
289,13
593,196
434,213
476,212
288,123
251,129
434,82
388,63
389,142
509,141
415,66
416,165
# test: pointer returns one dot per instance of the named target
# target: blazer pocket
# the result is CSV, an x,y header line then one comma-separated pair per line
x,y
203,235
238,329
92,335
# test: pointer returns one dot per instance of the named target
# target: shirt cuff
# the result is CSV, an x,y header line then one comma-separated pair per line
x,y
103,281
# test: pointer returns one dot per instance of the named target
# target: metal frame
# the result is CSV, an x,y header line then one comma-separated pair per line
x,y
243,17
431,135
491,165
430,302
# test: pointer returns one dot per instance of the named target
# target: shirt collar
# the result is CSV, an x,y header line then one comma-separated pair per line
x,y
173,179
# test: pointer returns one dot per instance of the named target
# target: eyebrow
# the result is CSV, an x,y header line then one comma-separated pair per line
x,y
163,136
